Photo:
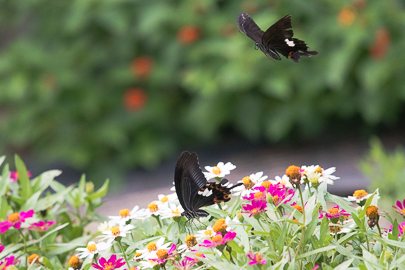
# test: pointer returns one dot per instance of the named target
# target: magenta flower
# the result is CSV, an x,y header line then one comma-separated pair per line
x,y
14,176
255,207
257,193
15,220
8,261
334,213
110,264
280,193
163,255
1,248
316,267
400,207
186,263
218,239
256,258
42,225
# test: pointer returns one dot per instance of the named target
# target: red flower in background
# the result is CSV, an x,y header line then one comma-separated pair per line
x,y
134,99
188,34
142,67
381,43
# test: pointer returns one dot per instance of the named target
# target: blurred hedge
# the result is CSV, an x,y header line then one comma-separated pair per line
x,y
129,82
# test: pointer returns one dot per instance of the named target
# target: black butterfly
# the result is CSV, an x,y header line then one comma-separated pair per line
x,y
278,38
193,189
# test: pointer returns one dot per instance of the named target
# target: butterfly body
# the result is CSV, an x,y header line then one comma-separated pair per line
x,y
194,191
277,39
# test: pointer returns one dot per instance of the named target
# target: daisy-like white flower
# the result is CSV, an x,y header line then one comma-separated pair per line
x,y
220,170
189,244
315,175
400,207
172,211
116,230
249,182
125,214
359,196
92,249
345,227
284,180
151,248
163,255
154,208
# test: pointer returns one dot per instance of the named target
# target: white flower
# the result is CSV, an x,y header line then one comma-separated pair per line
x,y
249,182
219,171
284,180
125,215
173,210
315,175
148,264
359,196
92,249
115,230
151,248
165,200
346,227
205,234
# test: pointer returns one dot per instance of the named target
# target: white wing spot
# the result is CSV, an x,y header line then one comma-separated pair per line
x,y
289,42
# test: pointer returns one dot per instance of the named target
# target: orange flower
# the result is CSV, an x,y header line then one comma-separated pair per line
x,y
188,34
134,99
142,66
346,16
381,43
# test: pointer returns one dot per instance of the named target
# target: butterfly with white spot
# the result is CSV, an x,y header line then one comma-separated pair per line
x,y
277,39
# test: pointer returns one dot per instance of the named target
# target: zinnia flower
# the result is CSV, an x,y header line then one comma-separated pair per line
x,y
110,264
400,207
135,99
218,171
256,258
14,175
188,34
255,207
162,255
359,196
218,239
15,220
8,261
334,213
92,249
42,225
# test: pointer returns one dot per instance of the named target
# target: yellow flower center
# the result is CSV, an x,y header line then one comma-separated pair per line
x,y
162,254
91,247
360,193
14,217
333,211
258,257
208,232
372,211
115,230
191,241
258,195
108,266
74,262
266,184
334,228
219,225
164,199
137,254
153,207
402,212
247,182
124,213
318,169
293,172
33,258
216,170
176,212
151,246
276,199
217,238
199,254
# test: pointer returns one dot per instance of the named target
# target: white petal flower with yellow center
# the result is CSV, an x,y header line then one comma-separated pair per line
x,y
125,214
220,170
92,249
116,230
249,182
315,175
284,180
151,248
173,210
205,234
166,200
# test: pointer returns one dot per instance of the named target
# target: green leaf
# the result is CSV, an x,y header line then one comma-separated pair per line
x,y
23,179
101,192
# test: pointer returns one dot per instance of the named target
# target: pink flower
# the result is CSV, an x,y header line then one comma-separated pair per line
x,y
163,255
256,258
15,220
110,264
1,248
255,207
218,239
8,261
400,207
316,267
280,193
258,193
14,176
334,213
186,263
42,225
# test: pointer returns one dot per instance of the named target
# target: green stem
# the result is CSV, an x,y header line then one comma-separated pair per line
x,y
123,253
379,229
25,246
158,220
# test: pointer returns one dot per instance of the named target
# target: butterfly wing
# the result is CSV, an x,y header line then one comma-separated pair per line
x,y
279,38
248,26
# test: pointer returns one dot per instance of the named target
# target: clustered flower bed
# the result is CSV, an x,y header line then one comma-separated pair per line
x,y
289,222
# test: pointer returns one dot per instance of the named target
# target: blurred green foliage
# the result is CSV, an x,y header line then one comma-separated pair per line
x,y
129,82
386,172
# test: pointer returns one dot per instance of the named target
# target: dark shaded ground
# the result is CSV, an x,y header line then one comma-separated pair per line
x,y
143,187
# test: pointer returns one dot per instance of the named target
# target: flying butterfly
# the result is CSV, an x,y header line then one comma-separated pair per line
x,y
277,39
194,191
